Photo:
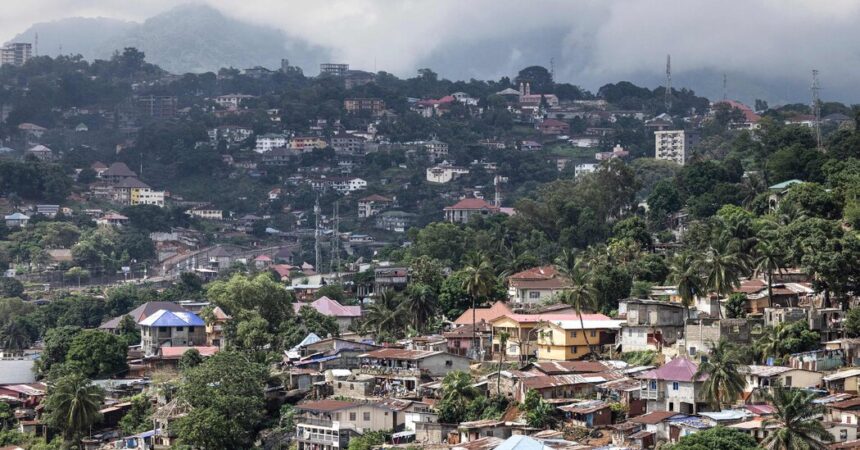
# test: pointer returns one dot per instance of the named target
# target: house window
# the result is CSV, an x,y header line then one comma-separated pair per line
x,y
448,363
180,329
351,387
843,435
573,349
675,385
573,334
787,382
692,351
352,416
339,385
337,416
534,295
366,417
653,385
190,329
671,406
593,333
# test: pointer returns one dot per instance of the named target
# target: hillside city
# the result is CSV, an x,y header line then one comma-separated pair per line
x,y
264,258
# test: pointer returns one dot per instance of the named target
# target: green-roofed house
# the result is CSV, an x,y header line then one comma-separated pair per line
x,y
778,191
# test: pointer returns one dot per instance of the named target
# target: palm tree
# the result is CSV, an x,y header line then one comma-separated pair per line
x,y
479,283
503,345
579,292
385,316
422,303
724,381
724,266
685,273
797,421
73,405
458,386
769,259
15,337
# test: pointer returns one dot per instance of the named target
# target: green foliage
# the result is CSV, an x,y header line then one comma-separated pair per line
x,y
640,358
724,381
796,421
717,438
72,406
736,306
538,412
96,353
852,322
190,359
332,291
138,418
225,393
369,440
56,346
10,287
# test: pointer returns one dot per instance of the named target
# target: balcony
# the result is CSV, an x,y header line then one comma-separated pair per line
x,y
381,371
648,394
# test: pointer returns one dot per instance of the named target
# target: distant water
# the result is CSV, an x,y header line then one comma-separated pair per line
x,y
17,371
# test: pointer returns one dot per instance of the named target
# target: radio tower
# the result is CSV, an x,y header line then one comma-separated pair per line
x,y
668,93
36,45
725,90
816,106
318,258
552,68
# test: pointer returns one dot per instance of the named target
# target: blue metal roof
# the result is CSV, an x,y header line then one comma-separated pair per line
x,y
165,318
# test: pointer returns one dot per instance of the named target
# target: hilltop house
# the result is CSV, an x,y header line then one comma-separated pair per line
x,y
465,209
564,340
672,387
534,285
650,324
345,315
372,205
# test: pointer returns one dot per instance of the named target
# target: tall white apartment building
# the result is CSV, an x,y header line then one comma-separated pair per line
x,y
674,145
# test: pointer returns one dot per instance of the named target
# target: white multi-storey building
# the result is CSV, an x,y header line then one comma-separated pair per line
x,y
267,142
674,145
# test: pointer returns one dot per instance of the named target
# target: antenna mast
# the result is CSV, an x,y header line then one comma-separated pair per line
x,y
317,234
36,45
552,68
668,93
816,106
725,90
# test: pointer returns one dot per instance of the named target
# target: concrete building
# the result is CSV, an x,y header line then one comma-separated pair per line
x,y
16,53
268,142
374,106
700,334
465,209
566,340
334,69
372,205
445,172
675,145
347,144
535,285
170,329
157,106
650,324
329,424
672,387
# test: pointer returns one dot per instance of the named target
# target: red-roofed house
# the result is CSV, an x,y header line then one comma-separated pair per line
x,y
672,387
534,285
344,315
465,209
554,126
483,314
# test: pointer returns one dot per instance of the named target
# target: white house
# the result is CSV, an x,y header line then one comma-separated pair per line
x,y
672,387
444,172
231,101
584,168
267,142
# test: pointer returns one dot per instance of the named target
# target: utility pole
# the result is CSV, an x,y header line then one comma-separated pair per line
x,y
335,241
318,258
668,99
816,106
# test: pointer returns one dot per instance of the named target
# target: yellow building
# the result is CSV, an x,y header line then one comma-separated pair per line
x,y
529,335
566,340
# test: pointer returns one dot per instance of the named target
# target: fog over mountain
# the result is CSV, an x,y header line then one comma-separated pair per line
x,y
768,51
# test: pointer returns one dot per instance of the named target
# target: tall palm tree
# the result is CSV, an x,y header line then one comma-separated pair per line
x,y
724,266
769,258
422,304
685,273
503,345
479,283
797,420
385,317
73,406
724,381
579,291
770,343
458,386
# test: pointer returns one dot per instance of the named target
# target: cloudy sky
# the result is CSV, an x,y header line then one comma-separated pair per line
x,y
591,42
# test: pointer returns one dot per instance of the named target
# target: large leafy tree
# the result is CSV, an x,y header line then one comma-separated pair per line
x,y
797,420
97,353
225,393
72,406
721,371
717,438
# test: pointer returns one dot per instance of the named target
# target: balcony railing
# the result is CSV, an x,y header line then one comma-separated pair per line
x,y
390,371
648,394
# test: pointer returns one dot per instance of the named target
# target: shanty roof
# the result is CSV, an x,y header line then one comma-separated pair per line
x,y
563,367
522,442
585,407
118,169
766,371
131,182
375,198
326,405
400,353
329,307
484,314
546,381
678,369
165,318
654,418
842,375
558,317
